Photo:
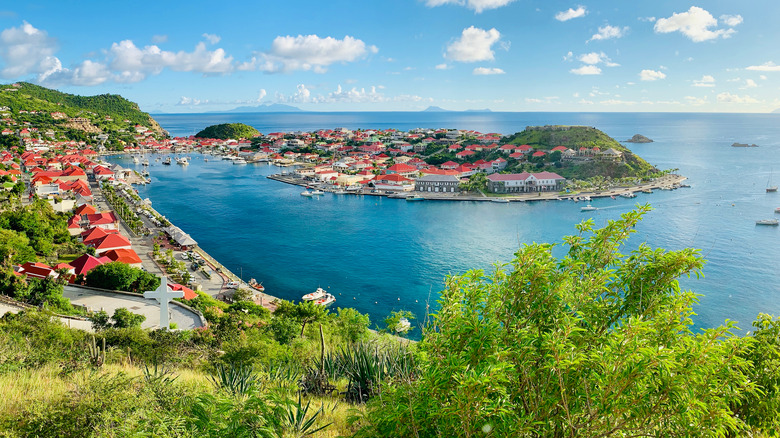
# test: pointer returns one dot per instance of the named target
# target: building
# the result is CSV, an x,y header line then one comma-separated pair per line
x,y
525,182
437,183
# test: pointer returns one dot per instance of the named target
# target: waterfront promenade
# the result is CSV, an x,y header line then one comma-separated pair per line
x,y
666,182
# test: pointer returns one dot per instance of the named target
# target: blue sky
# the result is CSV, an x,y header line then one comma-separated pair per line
x,y
402,55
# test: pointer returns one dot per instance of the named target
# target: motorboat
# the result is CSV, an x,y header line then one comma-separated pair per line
x,y
167,161
145,162
773,222
182,161
340,192
415,198
327,300
588,208
239,161
255,285
306,193
317,192
501,200
136,160
316,295
628,195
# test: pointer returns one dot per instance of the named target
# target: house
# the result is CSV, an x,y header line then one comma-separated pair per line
x,y
126,256
437,183
525,182
109,242
86,263
393,182
449,165
403,170
35,270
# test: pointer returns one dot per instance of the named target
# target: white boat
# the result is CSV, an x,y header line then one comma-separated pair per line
x,y
316,295
340,192
327,300
588,208
183,161
145,162
415,198
167,161
239,161
628,195
403,325
136,160
306,193
501,200
317,192
773,222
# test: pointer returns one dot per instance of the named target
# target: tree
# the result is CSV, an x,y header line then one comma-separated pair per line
x,y
124,318
352,325
48,292
394,325
596,343
303,313
15,248
119,276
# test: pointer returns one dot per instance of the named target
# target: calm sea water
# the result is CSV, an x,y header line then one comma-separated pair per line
x,y
379,255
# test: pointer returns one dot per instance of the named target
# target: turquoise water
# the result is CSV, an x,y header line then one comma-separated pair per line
x,y
379,255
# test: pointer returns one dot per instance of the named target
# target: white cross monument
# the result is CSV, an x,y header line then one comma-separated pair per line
x,y
163,295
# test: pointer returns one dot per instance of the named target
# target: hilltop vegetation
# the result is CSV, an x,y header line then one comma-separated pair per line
x,y
227,131
106,113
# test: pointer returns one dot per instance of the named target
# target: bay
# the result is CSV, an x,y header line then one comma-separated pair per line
x,y
379,255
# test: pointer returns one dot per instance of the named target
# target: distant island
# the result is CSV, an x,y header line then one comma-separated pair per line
x,y
437,109
267,108
639,138
744,145
226,131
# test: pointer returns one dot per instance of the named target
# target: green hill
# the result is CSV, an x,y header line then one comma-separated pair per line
x,y
106,113
227,131
575,137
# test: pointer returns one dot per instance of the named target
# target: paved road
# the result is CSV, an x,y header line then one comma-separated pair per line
x,y
149,308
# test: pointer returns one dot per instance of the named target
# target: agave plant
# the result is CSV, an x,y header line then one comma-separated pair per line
x,y
238,379
294,422
364,366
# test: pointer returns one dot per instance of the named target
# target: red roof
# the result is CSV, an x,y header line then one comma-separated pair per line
x,y
188,293
111,241
85,209
127,256
85,263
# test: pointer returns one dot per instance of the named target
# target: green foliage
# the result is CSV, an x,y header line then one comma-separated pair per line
x,y
124,318
237,379
120,276
33,338
352,325
303,313
296,422
761,409
393,323
597,343
47,292
39,223
227,131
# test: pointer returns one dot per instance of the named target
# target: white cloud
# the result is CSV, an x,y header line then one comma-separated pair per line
x,y
731,20
762,77
533,100
211,38
442,67
340,95
594,58
618,102
646,19
261,94
571,13
750,83
586,70
695,24
476,5
705,81
651,75
568,56
488,71
190,101
134,64
767,66
88,73
474,45
608,32
25,50
726,97
308,52
696,100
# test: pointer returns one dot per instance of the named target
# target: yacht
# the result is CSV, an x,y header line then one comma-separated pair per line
x,y
167,161
327,300
136,160
415,198
306,193
588,208
183,161
773,222
316,295
145,162
239,161
317,192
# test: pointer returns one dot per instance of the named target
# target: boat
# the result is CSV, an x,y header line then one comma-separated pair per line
x,y
145,162
327,300
167,161
769,186
136,160
306,193
403,325
239,161
145,173
628,195
415,198
341,192
501,200
777,210
316,295
317,192
183,161
255,285
588,208
773,222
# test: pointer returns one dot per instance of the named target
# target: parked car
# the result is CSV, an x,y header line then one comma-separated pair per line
x,y
232,285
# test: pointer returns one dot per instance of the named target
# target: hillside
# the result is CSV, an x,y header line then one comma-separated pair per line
x,y
575,137
71,116
226,131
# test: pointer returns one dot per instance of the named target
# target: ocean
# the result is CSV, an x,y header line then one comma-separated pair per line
x,y
378,255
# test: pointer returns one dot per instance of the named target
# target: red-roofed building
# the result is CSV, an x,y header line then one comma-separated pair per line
x,y
36,270
85,263
109,242
449,165
126,256
403,170
525,182
188,293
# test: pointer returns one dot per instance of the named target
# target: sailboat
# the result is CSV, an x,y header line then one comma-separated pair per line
x,y
769,186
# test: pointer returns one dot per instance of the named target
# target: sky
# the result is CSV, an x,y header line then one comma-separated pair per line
x,y
402,55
